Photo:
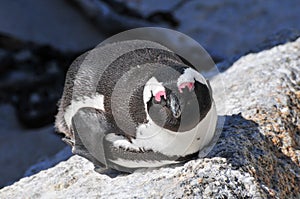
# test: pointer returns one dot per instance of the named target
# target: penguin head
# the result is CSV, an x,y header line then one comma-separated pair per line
x,y
180,101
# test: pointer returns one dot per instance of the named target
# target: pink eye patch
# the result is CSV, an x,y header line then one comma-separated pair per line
x,y
190,86
159,94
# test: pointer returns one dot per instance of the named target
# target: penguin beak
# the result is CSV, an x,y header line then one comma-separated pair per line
x,y
175,106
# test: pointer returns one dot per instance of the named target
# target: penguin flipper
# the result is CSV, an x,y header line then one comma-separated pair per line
x,y
89,129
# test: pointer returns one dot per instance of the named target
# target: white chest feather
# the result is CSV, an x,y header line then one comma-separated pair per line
x,y
97,102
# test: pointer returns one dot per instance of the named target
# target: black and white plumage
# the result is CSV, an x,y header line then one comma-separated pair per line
x,y
135,104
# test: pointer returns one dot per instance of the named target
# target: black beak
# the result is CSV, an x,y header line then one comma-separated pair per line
x,y
175,106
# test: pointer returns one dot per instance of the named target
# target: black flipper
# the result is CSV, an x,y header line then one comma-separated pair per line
x,y
89,128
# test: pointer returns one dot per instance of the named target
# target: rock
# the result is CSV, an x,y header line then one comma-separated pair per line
x,y
21,148
230,28
31,82
32,78
226,29
51,22
256,156
48,162
112,17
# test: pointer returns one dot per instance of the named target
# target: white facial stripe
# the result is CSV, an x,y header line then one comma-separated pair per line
x,y
190,75
152,87
96,102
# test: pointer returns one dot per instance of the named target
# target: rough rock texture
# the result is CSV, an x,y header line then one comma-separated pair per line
x,y
256,156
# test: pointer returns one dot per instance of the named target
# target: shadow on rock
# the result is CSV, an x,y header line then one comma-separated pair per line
x,y
244,145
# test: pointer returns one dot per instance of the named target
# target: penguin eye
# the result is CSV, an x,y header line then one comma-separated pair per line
x,y
162,101
189,85
160,95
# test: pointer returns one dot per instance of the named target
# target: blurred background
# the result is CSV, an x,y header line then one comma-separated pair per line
x,y
39,40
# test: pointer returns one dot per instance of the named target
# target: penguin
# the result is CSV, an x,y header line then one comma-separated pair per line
x,y
135,104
